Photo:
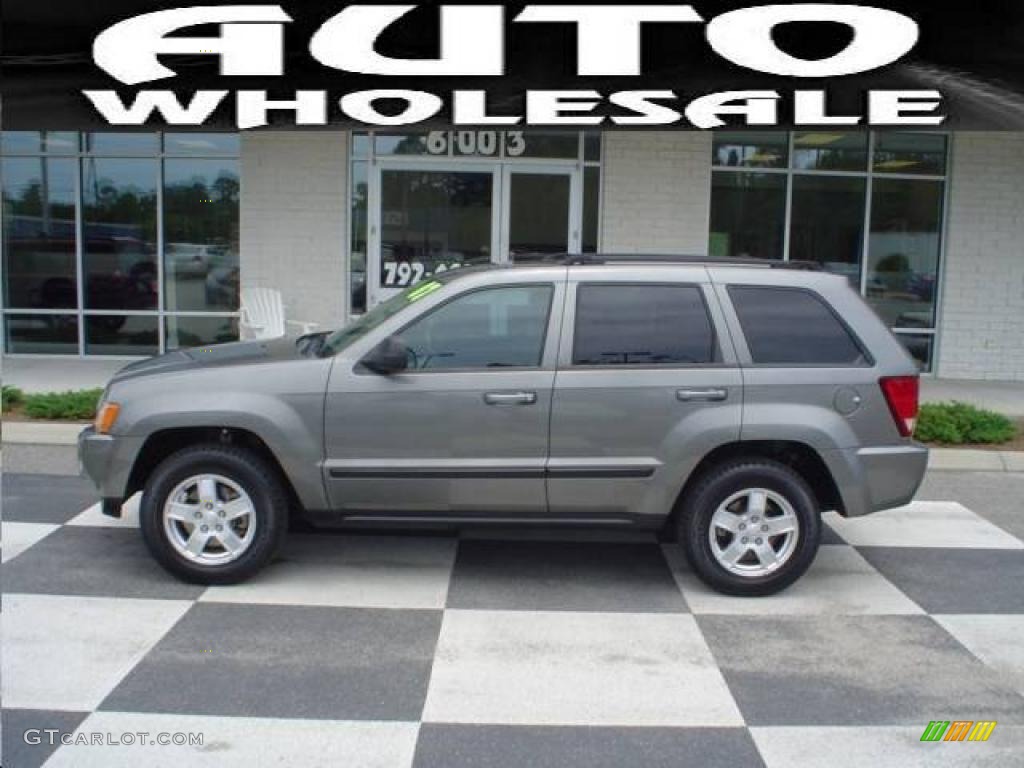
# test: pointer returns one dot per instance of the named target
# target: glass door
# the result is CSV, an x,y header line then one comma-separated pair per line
x,y
430,219
541,212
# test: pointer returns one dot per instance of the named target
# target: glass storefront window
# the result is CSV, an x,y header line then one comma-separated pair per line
x,y
828,223
39,233
121,335
920,346
903,251
748,215
827,180
82,255
750,149
198,331
119,233
41,334
201,143
910,153
401,144
201,235
38,142
122,143
829,151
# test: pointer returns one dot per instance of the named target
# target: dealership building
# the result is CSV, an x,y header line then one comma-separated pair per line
x,y
127,244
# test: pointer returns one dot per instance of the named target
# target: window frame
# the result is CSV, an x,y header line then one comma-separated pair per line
x,y
361,370
750,362
701,288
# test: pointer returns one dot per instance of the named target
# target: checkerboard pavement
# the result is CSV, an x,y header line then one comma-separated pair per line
x,y
510,649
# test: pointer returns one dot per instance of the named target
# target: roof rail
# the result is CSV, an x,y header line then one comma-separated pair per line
x,y
581,259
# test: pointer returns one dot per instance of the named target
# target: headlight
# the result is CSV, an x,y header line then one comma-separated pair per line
x,y
105,417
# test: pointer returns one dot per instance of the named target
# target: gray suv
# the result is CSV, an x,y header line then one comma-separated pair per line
x,y
723,404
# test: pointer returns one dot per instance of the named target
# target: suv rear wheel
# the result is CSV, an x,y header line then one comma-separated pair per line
x,y
213,514
750,527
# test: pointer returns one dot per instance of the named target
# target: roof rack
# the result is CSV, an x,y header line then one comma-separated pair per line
x,y
581,259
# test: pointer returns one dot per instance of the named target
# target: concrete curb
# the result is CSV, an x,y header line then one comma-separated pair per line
x,y
959,459
20,432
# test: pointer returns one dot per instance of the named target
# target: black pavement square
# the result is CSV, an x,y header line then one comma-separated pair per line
x,y
954,580
853,670
505,746
98,561
45,498
287,661
25,741
563,576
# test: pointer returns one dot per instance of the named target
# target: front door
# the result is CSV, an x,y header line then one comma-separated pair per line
x,y
430,218
464,431
541,212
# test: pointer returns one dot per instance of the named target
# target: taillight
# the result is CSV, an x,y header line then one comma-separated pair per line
x,y
901,393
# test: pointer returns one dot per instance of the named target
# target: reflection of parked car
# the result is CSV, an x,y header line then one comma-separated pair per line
x,y
191,259
222,286
727,405
120,274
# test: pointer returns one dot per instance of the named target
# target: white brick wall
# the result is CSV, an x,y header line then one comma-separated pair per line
x,y
657,192
294,209
982,311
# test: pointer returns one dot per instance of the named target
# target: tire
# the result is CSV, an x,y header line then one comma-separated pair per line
x,y
176,501
730,496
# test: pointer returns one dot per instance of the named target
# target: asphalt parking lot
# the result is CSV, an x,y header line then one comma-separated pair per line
x,y
506,649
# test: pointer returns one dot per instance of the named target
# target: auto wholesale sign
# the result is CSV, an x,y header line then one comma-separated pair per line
x,y
514,65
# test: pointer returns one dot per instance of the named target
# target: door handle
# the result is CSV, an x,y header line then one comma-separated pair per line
x,y
713,394
510,398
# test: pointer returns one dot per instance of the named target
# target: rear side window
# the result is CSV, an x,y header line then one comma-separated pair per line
x,y
792,326
632,324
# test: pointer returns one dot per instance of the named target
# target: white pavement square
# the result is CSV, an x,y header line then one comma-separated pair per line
x,y
17,537
875,747
924,524
564,668
68,653
357,571
241,742
998,640
839,582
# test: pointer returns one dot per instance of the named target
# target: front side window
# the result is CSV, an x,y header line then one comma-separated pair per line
x,y
791,326
642,325
491,328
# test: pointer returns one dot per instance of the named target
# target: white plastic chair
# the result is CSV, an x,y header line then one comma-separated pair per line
x,y
263,315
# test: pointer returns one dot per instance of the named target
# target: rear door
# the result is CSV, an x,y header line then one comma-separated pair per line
x,y
647,383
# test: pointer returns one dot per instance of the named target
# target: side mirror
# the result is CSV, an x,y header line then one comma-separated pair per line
x,y
310,344
389,357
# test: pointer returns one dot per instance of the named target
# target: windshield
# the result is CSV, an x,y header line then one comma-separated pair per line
x,y
342,338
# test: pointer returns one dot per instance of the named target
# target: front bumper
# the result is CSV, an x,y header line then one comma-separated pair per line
x,y
877,478
107,461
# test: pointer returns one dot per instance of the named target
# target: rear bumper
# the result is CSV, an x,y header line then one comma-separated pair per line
x,y
873,479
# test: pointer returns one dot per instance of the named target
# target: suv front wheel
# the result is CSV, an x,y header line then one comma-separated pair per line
x,y
750,527
213,514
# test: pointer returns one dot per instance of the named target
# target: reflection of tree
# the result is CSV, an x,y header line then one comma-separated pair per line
x,y
201,211
30,203
105,202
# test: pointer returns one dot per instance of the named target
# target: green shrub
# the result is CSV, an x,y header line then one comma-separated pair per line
x,y
12,396
77,405
959,423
